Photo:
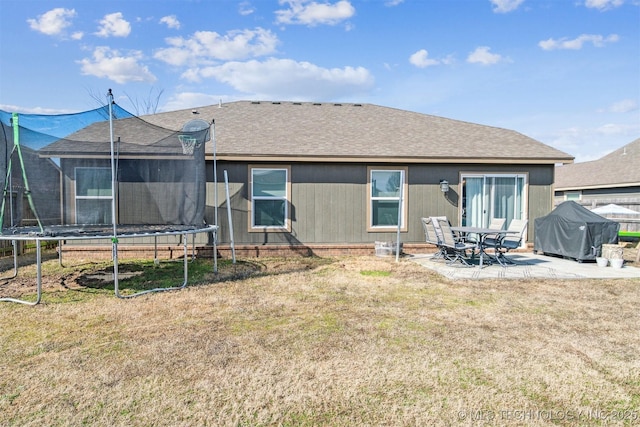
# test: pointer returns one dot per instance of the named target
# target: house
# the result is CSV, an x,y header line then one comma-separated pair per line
x,y
334,177
612,179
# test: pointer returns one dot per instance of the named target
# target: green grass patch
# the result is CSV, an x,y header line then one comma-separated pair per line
x,y
375,273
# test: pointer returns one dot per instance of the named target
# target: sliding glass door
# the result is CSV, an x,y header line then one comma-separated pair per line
x,y
487,196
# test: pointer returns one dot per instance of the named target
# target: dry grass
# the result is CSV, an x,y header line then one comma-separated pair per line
x,y
341,341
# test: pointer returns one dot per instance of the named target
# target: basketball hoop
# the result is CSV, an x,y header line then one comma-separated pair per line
x,y
188,144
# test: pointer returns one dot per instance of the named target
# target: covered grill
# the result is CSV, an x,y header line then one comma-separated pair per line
x,y
573,231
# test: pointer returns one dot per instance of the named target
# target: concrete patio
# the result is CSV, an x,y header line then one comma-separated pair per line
x,y
528,266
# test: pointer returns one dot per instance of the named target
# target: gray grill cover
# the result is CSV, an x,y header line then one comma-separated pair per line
x,y
573,231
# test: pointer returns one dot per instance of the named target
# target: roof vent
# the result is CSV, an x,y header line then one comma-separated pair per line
x,y
297,103
276,103
338,105
317,103
255,102
357,105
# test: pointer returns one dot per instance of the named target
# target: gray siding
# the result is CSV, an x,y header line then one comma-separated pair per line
x,y
329,202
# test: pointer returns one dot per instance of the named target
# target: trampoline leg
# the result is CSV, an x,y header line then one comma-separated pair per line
x,y
185,245
60,253
156,261
38,272
186,265
15,258
38,280
114,256
14,248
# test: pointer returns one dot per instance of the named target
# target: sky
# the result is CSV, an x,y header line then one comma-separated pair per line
x,y
564,72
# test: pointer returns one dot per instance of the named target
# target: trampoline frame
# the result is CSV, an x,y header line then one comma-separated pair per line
x,y
40,237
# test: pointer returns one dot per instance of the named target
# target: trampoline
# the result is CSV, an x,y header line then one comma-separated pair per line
x,y
104,174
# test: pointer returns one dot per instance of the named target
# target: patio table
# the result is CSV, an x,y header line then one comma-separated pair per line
x,y
482,234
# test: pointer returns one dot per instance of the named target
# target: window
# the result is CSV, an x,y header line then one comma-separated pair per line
x,y
270,189
386,186
93,196
573,195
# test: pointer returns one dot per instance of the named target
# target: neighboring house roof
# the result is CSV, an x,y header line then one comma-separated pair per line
x,y
621,168
304,131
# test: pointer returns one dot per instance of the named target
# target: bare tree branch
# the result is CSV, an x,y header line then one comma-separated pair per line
x,y
148,105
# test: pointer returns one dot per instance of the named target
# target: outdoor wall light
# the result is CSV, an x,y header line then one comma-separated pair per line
x,y
444,185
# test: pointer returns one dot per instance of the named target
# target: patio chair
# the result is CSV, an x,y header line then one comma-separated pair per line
x,y
503,243
497,223
455,250
436,220
436,225
432,237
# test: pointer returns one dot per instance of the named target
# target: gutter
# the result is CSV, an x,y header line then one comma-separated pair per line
x,y
390,160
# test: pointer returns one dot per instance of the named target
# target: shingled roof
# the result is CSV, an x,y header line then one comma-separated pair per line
x,y
621,168
304,131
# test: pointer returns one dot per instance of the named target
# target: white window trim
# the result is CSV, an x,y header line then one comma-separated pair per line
x,y
287,214
403,219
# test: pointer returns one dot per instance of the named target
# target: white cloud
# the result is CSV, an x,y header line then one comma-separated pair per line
x,y
590,142
624,106
53,22
311,13
34,110
110,64
603,4
171,21
626,131
611,129
245,8
78,35
114,25
392,3
205,46
505,6
577,43
288,79
482,56
421,59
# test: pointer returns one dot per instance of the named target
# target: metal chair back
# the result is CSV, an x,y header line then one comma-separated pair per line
x,y
514,241
497,223
429,231
447,234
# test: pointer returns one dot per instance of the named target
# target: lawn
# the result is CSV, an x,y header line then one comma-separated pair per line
x,y
339,341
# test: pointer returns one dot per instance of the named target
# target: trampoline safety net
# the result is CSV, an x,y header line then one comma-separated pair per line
x,y
58,171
